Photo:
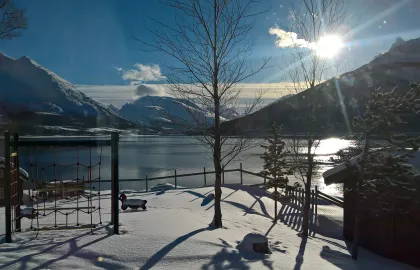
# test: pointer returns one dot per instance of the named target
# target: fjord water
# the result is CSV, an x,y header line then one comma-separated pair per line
x,y
155,156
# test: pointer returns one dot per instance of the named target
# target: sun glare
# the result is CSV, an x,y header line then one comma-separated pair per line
x,y
329,46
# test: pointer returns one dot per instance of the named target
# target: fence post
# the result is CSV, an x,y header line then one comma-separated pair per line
x,y
312,200
8,212
240,169
114,182
147,186
265,179
316,204
300,195
19,184
175,180
205,178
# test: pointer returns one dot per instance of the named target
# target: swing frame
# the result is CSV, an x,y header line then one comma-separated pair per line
x,y
16,143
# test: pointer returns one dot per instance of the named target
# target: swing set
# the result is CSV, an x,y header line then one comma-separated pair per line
x,y
57,201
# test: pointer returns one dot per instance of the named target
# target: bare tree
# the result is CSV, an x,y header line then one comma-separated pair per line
x,y
209,40
312,20
12,20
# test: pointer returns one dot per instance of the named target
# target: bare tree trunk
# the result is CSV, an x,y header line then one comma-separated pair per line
x,y
218,169
306,207
275,204
217,220
308,183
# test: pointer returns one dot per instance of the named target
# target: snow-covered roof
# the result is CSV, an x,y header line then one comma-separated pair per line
x,y
337,173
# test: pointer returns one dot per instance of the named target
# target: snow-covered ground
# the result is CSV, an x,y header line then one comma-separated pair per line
x,y
174,234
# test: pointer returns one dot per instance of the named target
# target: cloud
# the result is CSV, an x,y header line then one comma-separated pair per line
x,y
143,73
118,69
151,90
289,39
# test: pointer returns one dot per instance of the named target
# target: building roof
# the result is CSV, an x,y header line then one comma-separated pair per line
x,y
339,173
23,174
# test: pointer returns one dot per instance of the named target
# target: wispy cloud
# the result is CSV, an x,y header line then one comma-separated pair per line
x,y
118,69
289,39
142,74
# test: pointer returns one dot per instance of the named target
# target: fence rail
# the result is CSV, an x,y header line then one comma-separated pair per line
x,y
296,194
331,199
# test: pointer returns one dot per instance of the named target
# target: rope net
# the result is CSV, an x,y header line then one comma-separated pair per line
x,y
60,195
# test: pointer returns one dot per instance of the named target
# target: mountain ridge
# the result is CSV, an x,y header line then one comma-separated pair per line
x,y
336,101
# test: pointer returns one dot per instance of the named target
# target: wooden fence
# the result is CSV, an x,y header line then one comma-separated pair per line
x,y
294,193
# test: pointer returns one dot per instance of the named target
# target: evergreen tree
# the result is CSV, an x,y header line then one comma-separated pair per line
x,y
275,164
386,182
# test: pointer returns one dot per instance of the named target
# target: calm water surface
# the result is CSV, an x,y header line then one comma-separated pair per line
x,y
156,156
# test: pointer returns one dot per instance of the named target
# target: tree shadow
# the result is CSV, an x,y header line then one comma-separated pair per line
x,y
152,261
207,200
31,257
335,257
300,256
226,259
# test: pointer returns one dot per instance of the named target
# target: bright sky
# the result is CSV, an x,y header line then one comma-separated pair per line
x,y
90,43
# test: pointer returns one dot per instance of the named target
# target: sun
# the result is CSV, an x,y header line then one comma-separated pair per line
x,y
328,46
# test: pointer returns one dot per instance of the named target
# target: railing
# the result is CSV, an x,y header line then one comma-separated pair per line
x,y
176,176
330,199
295,194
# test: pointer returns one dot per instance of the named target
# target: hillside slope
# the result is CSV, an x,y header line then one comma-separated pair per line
x,y
170,113
338,100
31,95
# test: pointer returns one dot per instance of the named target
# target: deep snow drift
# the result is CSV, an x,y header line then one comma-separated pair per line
x,y
174,234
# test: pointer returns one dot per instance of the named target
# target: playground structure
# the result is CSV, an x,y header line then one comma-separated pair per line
x,y
44,196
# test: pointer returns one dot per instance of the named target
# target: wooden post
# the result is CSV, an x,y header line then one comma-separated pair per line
x,y
316,205
147,186
265,180
223,174
175,180
205,177
240,169
8,212
114,182
19,184
312,200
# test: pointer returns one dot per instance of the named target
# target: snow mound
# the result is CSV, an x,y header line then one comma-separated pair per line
x,y
162,187
247,244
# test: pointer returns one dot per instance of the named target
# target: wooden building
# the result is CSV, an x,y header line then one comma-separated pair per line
x,y
396,236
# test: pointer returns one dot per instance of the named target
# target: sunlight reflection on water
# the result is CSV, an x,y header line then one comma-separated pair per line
x,y
161,156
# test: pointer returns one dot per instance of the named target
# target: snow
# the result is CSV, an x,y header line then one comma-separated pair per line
x,y
247,244
31,86
59,128
174,234
168,111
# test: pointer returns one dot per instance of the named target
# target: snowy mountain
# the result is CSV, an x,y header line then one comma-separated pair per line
x,y
349,93
29,89
170,113
113,108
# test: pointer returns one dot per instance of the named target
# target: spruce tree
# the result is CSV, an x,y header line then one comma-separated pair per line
x,y
386,182
275,164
